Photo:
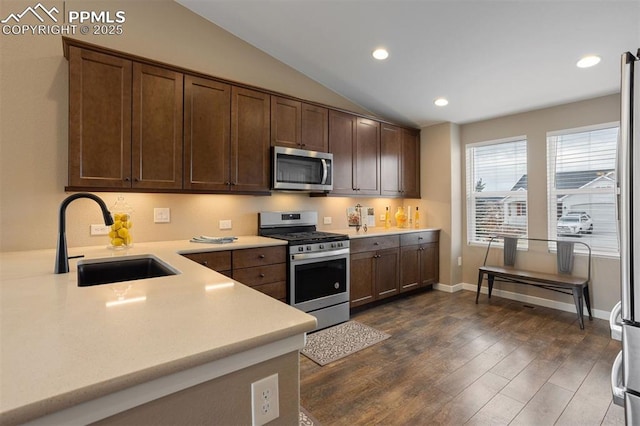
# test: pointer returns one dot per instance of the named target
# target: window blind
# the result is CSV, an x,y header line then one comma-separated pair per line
x,y
496,189
581,186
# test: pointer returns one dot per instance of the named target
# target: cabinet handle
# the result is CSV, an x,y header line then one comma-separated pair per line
x,y
205,263
261,275
126,179
420,238
376,244
261,256
233,184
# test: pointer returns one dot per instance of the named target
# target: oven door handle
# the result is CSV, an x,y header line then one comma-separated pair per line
x,y
325,254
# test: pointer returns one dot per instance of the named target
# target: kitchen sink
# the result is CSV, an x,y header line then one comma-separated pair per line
x,y
106,271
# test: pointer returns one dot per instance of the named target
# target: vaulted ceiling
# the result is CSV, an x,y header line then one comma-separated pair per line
x,y
488,58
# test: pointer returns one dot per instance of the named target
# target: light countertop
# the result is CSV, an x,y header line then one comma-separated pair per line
x,y
62,344
377,231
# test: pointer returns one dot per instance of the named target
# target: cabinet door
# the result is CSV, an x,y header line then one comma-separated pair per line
x,y
387,280
156,154
99,120
285,122
207,140
410,268
429,264
367,157
314,128
410,172
250,147
390,161
342,136
363,273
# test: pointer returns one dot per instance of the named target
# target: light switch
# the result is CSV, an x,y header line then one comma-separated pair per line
x,y
161,215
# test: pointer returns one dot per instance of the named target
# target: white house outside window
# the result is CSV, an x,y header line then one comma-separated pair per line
x,y
496,189
581,186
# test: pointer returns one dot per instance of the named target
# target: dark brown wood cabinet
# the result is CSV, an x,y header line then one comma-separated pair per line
x,y
419,254
400,162
250,168
125,125
263,268
99,120
156,154
296,124
375,263
207,134
355,144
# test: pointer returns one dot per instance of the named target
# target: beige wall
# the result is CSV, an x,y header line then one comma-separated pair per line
x,y
605,287
34,128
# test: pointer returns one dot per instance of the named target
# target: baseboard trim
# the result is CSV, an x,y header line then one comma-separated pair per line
x,y
534,300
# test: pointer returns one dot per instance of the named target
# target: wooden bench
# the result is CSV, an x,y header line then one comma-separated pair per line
x,y
563,281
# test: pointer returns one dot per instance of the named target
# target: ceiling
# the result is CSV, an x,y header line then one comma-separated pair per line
x,y
488,58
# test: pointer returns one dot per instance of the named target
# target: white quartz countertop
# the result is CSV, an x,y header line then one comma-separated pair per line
x,y
378,231
62,344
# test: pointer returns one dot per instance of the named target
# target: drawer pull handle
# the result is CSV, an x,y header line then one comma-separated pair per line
x,y
420,238
205,263
261,275
376,244
262,256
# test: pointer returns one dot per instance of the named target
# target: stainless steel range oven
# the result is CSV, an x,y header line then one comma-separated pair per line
x,y
318,276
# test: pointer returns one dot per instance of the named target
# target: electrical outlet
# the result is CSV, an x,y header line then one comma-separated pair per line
x,y
265,405
99,229
225,224
459,261
161,215
381,217
328,220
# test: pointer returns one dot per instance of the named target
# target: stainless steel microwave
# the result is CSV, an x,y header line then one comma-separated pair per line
x,y
302,170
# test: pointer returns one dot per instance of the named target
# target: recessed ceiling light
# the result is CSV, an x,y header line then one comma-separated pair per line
x,y
441,102
380,54
588,61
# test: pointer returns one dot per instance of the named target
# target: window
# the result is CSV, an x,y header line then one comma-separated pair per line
x,y
581,186
496,189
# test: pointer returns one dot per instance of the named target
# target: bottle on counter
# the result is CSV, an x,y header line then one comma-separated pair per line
x,y
120,234
387,218
409,217
416,219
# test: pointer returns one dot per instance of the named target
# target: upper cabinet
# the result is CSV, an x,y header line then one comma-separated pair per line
x,y
355,144
125,126
295,124
226,137
400,162
139,125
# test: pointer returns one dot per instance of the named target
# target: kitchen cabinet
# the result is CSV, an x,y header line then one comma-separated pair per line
x,y
400,162
296,124
219,261
226,137
263,268
125,123
419,253
207,134
355,144
374,269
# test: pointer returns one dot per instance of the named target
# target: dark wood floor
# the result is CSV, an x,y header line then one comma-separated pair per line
x,y
450,361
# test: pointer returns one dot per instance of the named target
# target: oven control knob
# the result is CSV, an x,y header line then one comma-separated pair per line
x,y
308,248
300,248
321,246
339,244
333,245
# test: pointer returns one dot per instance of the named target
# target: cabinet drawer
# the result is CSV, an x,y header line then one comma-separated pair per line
x,y
360,245
419,238
276,290
259,256
217,260
259,275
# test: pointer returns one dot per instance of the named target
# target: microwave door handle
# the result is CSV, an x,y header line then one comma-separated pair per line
x,y
325,171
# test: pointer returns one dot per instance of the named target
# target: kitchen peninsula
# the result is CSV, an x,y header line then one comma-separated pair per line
x,y
194,341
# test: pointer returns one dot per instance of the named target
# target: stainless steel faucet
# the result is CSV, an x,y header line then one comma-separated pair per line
x,y
62,258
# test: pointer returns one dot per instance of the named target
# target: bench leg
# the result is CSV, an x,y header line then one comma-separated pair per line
x,y
577,298
490,278
587,301
480,278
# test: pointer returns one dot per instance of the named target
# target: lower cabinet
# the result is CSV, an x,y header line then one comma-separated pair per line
x,y
375,265
263,268
419,259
